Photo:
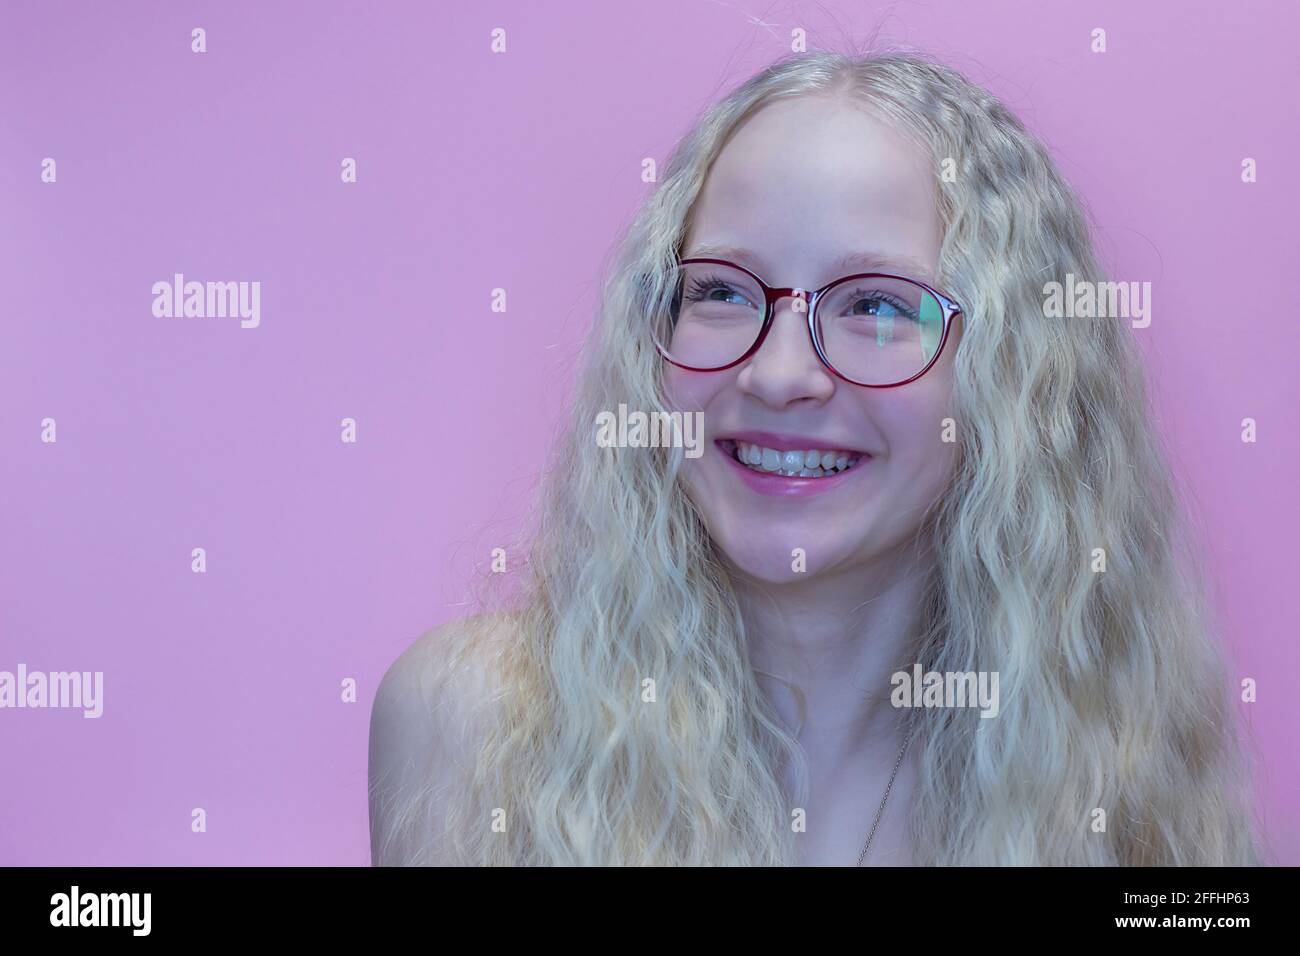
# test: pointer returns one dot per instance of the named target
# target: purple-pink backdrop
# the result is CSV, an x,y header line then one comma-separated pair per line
x,y
476,171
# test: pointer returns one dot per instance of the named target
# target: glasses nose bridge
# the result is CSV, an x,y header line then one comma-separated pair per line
x,y
803,299
802,304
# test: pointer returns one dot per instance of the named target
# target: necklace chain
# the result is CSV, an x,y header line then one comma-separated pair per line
x,y
888,787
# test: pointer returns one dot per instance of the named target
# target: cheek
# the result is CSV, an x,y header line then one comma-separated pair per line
x,y
921,434
691,391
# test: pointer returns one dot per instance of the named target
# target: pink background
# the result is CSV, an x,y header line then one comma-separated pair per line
x,y
479,171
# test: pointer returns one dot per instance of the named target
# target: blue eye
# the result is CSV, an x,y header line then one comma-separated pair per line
x,y
881,305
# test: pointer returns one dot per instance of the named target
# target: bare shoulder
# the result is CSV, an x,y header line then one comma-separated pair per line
x,y
429,713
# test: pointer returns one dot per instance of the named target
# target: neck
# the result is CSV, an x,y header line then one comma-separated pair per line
x,y
835,639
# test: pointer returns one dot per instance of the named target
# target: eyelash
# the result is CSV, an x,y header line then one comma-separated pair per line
x,y
703,287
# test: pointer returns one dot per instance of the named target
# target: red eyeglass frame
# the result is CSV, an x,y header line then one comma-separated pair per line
x,y
773,294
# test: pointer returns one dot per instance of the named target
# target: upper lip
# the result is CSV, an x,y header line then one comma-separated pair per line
x,y
784,441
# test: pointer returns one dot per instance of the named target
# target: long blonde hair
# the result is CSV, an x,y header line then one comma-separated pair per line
x,y
1113,694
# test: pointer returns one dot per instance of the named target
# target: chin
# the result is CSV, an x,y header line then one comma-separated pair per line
x,y
772,559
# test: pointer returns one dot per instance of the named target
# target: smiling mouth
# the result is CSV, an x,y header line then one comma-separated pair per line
x,y
812,463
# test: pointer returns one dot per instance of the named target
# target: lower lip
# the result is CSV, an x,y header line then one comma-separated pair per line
x,y
769,483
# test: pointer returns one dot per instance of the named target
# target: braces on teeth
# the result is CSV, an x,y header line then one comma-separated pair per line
x,y
813,463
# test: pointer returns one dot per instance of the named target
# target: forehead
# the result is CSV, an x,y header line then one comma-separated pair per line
x,y
805,183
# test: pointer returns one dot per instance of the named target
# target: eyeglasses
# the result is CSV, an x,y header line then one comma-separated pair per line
x,y
872,328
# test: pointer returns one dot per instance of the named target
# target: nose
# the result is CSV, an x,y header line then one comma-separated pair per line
x,y
786,369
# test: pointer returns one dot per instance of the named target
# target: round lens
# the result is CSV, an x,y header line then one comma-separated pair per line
x,y
879,330
708,314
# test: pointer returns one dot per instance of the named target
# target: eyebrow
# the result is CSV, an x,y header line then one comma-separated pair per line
x,y
864,260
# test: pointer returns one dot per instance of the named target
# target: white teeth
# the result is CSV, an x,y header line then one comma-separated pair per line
x,y
813,463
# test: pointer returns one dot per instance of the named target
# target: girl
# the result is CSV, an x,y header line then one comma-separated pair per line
x,y
906,462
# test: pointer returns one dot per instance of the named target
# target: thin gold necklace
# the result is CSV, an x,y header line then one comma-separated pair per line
x,y
888,787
